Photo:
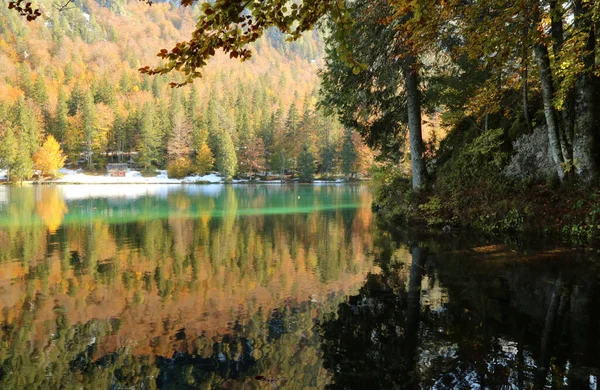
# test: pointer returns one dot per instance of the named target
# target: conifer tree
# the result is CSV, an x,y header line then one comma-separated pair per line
x,y
348,153
306,165
88,125
226,160
149,140
61,119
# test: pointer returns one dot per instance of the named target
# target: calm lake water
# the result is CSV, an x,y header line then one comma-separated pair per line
x,y
277,287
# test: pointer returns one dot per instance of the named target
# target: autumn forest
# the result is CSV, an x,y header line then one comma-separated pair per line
x,y
75,78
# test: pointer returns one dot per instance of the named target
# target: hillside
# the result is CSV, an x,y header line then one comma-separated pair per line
x,y
73,75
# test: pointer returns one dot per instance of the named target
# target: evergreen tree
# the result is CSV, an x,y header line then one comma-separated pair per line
x,y
27,134
8,148
226,160
348,153
39,93
149,140
88,125
25,80
76,100
61,119
306,165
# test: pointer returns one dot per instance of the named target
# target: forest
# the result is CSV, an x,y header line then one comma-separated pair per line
x,y
512,86
71,95
514,139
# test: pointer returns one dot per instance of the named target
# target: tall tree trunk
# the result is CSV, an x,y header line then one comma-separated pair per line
x,y
524,77
525,92
552,125
585,124
566,117
411,77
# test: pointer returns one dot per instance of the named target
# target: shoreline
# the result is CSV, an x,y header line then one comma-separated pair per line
x,y
241,182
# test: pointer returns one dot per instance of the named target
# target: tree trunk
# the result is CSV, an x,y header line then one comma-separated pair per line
x,y
585,125
411,76
524,78
525,91
552,125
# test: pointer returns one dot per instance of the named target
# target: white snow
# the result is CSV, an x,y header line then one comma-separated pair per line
x,y
210,178
132,177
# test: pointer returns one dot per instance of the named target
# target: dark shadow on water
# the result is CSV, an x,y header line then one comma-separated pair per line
x,y
437,316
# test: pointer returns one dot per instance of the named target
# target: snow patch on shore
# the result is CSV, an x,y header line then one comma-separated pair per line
x,y
210,178
131,177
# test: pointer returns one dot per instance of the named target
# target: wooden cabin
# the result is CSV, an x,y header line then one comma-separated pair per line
x,y
117,170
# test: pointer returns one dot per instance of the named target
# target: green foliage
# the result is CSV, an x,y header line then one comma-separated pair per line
x,y
348,153
370,101
475,164
432,211
226,160
149,137
306,165
101,110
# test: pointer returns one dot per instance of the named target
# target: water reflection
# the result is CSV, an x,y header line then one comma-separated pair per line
x,y
486,317
174,287
256,287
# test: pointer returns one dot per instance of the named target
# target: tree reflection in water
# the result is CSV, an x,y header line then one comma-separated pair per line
x,y
274,287
487,317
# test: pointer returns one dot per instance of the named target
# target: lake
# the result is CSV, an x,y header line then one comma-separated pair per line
x,y
277,286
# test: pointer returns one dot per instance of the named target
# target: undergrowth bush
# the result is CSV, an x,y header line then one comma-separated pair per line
x,y
472,177
531,159
179,168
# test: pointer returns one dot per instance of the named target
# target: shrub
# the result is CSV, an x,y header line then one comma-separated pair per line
x,y
179,168
531,159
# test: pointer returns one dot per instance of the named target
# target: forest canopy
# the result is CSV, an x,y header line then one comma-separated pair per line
x,y
74,75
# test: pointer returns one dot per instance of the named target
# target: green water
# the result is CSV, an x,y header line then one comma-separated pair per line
x,y
271,286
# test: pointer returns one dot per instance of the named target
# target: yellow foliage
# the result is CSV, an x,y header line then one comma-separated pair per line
x,y
179,168
51,208
49,158
204,160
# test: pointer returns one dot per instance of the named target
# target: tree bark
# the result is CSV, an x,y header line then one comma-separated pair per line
x,y
585,124
525,91
411,77
552,125
524,77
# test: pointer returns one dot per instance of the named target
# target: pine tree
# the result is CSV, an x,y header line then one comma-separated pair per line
x,y
348,153
149,141
61,119
25,80
39,93
76,101
226,160
27,133
8,148
306,165
88,125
